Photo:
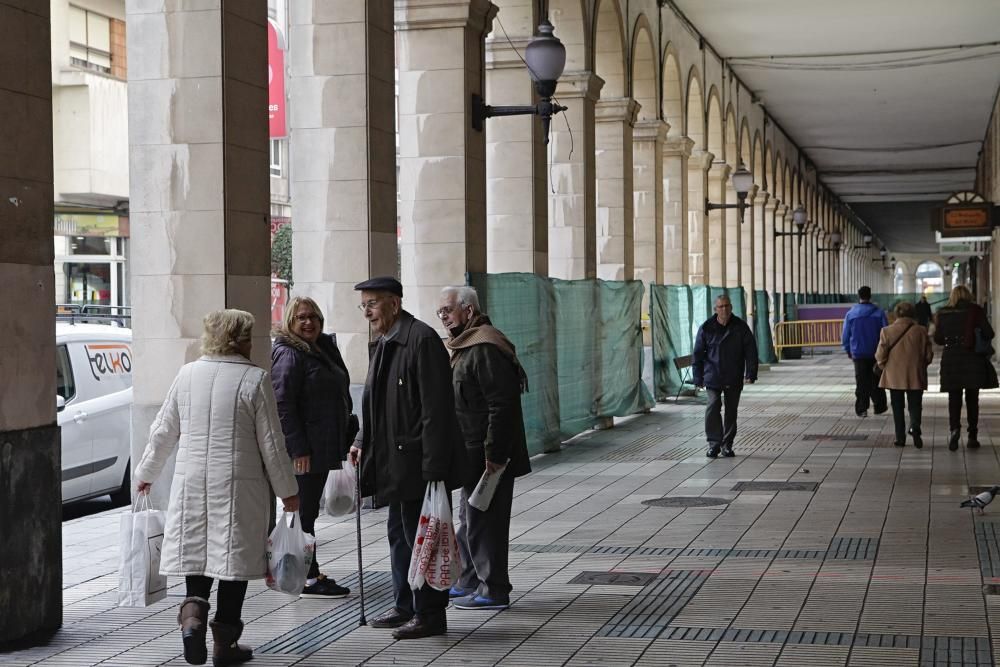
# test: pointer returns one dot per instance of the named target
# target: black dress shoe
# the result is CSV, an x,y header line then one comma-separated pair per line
x,y
418,627
391,619
899,444
727,451
972,442
953,440
917,440
713,451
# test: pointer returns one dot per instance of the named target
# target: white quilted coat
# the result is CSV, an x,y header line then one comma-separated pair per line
x,y
220,413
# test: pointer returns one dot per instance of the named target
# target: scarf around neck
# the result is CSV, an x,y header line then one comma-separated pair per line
x,y
480,331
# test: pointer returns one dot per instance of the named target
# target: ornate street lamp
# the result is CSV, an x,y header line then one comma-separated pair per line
x,y
545,57
882,254
799,218
835,240
867,241
742,183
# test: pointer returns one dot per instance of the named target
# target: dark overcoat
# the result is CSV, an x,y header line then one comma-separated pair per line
x,y
410,435
724,355
488,403
961,367
312,388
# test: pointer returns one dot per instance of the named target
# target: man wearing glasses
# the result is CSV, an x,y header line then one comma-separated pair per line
x,y
410,437
725,357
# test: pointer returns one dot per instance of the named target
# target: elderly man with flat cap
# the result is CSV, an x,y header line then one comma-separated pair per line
x,y
410,437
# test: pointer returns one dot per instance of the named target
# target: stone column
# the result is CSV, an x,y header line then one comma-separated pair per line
x,y
573,198
718,260
614,119
442,159
781,257
647,183
699,165
198,156
343,166
770,242
30,456
517,205
676,263
748,247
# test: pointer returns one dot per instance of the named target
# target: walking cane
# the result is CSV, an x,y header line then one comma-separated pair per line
x,y
361,574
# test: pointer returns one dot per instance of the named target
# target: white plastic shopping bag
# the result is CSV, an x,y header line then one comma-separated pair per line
x,y
435,560
289,554
140,538
341,490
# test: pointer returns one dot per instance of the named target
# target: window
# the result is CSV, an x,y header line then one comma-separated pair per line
x,y
276,157
89,40
65,386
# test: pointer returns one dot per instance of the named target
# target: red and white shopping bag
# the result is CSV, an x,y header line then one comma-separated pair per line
x,y
435,560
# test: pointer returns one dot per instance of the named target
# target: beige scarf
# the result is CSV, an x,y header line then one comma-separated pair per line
x,y
481,331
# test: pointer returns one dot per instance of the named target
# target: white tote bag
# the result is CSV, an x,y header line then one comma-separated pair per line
x,y
140,538
435,560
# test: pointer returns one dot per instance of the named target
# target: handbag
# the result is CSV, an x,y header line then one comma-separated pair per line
x,y
982,345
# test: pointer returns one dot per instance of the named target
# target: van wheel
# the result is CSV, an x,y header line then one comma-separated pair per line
x,y
123,496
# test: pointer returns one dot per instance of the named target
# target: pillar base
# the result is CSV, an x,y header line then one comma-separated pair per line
x,y
31,516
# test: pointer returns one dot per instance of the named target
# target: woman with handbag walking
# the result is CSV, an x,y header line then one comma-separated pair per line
x,y
220,418
961,327
904,352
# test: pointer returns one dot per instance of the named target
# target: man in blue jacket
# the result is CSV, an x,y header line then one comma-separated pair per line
x,y
725,356
862,326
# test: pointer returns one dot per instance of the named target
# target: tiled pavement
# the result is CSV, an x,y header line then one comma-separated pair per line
x,y
870,562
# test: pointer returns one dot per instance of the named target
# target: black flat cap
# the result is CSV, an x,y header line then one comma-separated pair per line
x,y
381,284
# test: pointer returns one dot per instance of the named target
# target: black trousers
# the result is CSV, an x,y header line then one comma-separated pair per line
x,y
228,599
717,431
865,388
914,400
401,527
483,540
310,491
971,409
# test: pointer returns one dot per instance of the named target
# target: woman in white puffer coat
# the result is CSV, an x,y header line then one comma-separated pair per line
x,y
221,418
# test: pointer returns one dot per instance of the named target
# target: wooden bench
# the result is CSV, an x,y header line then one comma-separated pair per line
x,y
683,365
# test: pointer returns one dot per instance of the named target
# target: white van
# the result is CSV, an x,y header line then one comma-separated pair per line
x,y
94,399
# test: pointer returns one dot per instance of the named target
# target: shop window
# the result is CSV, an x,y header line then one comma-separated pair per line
x,y
92,245
276,157
89,40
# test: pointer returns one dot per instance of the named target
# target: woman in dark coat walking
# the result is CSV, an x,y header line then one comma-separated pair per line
x,y
962,368
312,387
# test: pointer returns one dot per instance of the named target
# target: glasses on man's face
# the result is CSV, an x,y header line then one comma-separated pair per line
x,y
724,306
444,311
311,317
370,304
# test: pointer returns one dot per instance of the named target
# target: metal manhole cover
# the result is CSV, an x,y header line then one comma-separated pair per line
x,y
613,578
835,437
686,501
775,486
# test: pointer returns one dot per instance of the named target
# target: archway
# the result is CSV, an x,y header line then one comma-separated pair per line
x,y
929,278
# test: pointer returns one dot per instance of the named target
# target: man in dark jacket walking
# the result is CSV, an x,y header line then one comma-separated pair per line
x,y
410,437
488,380
923,312
862,327
725,356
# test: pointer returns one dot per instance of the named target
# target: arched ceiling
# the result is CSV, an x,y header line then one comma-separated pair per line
x,y
901,122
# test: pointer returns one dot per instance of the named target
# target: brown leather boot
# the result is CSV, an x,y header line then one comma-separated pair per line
x,y
193,619
226,651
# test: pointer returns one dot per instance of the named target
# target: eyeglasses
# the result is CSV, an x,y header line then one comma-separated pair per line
x,y
302,319
444,311
723,306
371,304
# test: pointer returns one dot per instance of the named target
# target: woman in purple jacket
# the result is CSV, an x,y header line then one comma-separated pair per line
x,y
312,388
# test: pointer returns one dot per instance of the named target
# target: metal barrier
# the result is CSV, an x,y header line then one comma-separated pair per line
x,y
807,333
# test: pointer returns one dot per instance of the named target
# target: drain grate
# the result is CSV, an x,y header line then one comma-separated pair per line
x,y
613,578
632,449
852,548
835,437
686,501
339,621
972,651
652,609
549,548
775,486
988,546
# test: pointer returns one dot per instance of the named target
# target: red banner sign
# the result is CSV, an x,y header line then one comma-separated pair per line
x,y
275,84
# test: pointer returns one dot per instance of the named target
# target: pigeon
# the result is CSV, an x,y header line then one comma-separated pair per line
x,y
982,500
